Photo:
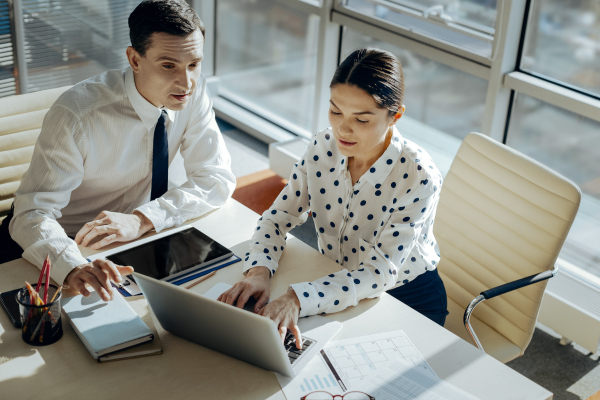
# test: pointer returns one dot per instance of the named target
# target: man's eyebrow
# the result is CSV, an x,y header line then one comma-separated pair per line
x,y
167,58
356,113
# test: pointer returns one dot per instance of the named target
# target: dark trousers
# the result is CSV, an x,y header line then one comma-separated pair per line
x,y
9,249
425,294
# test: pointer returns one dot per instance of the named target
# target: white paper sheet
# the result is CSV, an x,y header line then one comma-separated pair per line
x,y
398,381
344,364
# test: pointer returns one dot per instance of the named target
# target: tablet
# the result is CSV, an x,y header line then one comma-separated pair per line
x,y
174,255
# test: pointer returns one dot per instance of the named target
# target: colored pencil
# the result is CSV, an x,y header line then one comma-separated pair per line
x,y
47,282
202,279
44,267
37,328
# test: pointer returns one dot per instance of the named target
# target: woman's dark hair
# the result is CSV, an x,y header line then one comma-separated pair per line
x,y
377,72
174,17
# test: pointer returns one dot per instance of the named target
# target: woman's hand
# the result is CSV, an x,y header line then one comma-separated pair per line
x,y
284,311
256,284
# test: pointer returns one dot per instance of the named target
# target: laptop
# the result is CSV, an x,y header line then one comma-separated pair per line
x,y
233,331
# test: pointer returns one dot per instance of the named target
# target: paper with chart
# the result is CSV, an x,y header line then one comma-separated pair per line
x,y
343,364
398,381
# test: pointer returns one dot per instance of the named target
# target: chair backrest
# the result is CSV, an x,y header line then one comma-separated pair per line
x,y
20,124
502,216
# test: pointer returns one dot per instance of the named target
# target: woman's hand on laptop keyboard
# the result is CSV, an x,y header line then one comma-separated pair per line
x,y
256,284
284,311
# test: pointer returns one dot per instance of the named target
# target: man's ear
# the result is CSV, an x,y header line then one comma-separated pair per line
x,y
398,115
134,59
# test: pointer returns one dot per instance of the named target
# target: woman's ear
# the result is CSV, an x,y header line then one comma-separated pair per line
x,y
398,115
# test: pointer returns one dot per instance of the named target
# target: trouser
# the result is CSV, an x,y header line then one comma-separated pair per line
x,y
425,294
9,249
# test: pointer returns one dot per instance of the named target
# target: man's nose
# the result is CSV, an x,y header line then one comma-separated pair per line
x,y
185,80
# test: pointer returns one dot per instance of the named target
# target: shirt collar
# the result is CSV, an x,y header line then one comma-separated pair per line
x,y
379,171
147,112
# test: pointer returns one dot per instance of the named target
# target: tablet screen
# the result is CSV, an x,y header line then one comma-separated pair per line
x,y
172,255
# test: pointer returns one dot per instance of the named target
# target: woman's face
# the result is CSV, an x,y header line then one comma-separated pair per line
x,y
358,124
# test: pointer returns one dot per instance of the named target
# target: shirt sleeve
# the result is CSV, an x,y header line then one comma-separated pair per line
x,y
289,210
208,167
382,264
56,170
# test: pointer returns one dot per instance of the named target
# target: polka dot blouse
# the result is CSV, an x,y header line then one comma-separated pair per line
x,y
380,230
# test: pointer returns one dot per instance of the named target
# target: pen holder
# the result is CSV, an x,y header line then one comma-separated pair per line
x,y
40,325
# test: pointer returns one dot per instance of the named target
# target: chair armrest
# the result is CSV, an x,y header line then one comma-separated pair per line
x,y
519,283
497,291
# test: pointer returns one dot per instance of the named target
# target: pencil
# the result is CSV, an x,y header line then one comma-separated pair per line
x,y
47,281
202,279
39,325
44,267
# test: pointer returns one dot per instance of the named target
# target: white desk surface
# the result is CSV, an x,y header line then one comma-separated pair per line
x,y
187,370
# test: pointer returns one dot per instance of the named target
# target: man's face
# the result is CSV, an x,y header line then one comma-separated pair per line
x,y
167,74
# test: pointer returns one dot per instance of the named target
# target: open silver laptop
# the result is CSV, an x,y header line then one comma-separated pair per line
x,y
238,333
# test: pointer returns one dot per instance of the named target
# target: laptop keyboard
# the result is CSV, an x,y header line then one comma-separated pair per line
x,y
290,346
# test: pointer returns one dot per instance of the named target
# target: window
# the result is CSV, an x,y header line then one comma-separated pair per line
x,y
7,80
562,43
569,144
266,59
464,23
67,41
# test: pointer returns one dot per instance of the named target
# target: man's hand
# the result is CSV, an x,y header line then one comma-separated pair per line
x,y
118,228
256,284
284,311
97,274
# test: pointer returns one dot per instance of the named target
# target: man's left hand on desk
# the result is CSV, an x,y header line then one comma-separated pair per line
x,y
116,226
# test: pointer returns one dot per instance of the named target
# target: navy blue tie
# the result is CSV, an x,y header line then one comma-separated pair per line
x,y
160,158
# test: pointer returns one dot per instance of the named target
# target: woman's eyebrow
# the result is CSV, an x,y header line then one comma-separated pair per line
x,y
356,113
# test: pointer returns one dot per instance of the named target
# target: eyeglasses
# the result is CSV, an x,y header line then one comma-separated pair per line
x,y
328,396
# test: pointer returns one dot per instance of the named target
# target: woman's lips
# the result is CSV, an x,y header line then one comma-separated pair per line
x,y
346,144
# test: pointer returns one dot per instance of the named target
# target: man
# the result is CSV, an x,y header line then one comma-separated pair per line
x,y
99,169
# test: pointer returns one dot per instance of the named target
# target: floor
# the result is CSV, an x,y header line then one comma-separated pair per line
x,y
570,372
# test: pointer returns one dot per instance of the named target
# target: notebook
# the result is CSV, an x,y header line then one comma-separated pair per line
x,y
105,327
152,348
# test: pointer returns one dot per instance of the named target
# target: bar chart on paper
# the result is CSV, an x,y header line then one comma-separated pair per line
x,y
343,365
318,382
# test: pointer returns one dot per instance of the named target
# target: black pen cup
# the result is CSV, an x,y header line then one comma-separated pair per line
x,y
40,325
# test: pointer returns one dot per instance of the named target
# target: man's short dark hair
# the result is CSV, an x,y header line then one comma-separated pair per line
x,y
174,17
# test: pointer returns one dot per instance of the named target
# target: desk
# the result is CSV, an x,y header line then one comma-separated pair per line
x,y
187,370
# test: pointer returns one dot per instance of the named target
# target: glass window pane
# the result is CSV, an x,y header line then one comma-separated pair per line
x,y
442,104
266,58
479,12
561,42
7,79
473,21
68,41
569,144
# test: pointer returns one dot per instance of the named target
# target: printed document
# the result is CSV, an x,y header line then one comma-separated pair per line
x,y
343,365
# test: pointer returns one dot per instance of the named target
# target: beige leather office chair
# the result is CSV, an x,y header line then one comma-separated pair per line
x,y
20,124
500,224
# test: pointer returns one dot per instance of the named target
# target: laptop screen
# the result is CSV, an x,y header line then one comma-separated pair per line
x,y
172,254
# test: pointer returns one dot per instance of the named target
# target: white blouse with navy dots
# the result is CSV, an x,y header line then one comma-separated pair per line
x,y
380,230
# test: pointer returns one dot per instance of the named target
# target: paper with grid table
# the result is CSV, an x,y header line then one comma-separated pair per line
x,y
372,364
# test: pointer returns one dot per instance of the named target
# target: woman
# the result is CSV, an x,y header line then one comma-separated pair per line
x,y
373,197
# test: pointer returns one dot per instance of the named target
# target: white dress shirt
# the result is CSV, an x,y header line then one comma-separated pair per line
x,y
380,229
94,153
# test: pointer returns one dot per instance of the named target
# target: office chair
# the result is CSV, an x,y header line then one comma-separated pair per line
x,y
20,124
501,222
